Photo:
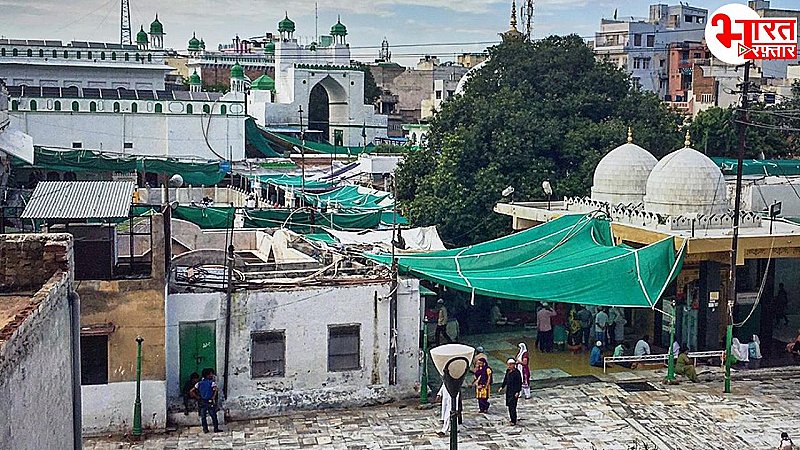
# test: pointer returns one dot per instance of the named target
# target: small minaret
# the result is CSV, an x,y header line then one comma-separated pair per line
x,y
513,34
238,81
286,28
194,45
385,55
157,35
339,32
142,41
195,83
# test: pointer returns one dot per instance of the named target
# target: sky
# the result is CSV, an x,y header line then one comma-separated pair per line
x,y
412,27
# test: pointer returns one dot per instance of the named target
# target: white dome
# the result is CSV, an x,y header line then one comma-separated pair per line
x,y
621,176
463,81
686,181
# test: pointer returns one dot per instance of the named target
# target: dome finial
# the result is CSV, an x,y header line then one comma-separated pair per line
x,y
513,14
688,142
630,135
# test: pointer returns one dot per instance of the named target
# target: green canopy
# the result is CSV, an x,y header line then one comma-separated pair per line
x,y
301,221
206,218
572,259
388,219
255,139
350,197
196,174
768,167
293,181
318,147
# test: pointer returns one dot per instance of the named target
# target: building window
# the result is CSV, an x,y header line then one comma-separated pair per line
x,y
149,58
30,53
127,57
438,95
66,54
15,52
661,62
77,145
127,145
55,54
189,109
701,19
651,40
89,55
136,57
75,106
223,110
158,107
206,109
93,106
57,105
344,348
268,354
94,360
14,105
707,98
102,55
687,19
2,52
78,55
637,40
698,55
33,105
645,63
41,53
113,56
637,63
116,107
134,107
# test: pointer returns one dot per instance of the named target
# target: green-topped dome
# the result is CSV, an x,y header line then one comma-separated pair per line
x,y
237,71
286,24
263,83
194,44
194,79
202,44
339,29
141,36
156,27
269,48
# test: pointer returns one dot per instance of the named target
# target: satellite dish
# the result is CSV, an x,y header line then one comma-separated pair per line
x,y
548,190
508,191
176,181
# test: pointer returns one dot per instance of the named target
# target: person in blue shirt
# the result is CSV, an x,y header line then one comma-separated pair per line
x,y
596,356
205,391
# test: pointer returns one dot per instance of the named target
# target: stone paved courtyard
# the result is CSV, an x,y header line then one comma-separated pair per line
x,y
567,414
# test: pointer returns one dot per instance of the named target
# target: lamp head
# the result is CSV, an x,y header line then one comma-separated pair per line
x,y
176,181
548,190
454,357
508,191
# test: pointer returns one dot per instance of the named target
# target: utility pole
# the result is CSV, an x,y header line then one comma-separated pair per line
x,y
395,286
302,159
742,128
229,260
125,23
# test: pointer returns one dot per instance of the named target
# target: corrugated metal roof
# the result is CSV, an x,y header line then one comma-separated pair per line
x,y
80,200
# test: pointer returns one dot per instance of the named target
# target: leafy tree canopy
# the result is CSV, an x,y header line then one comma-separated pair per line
x,y
537,111
371,89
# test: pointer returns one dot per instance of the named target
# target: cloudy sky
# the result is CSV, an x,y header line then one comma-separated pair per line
x,y
411,26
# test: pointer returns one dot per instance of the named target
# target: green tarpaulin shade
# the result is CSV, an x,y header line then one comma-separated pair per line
x,y
425,292
293,181
320,237
255,139
572,259
388,219
301,220
766,167
318,147
351,197
196,174
206,218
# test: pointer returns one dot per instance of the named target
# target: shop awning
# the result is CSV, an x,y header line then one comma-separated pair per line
x,y
572,259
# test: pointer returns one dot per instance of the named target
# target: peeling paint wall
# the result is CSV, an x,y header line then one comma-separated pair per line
x,y
136,308
110,406
304,314
36,356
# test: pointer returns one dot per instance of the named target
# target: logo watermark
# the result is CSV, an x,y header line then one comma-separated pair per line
x,y
736,34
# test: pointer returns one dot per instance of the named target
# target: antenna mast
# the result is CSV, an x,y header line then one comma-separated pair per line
x,y
125,23
316,22
527,11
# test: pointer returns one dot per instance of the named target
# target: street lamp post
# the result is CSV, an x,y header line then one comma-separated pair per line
x,y
137,405
453,361
671,363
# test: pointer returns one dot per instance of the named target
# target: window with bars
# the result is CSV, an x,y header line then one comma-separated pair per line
x,y
267,354
344,352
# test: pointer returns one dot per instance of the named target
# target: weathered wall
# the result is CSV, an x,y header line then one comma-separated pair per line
x,y
304,314
136,308
110,406
36,351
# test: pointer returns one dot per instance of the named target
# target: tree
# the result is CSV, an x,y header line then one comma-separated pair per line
x,y
537,111
371,90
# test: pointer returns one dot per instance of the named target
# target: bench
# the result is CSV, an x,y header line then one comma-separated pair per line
x,y
660,358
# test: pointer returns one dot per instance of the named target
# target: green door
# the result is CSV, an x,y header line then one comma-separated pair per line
x,y
198,344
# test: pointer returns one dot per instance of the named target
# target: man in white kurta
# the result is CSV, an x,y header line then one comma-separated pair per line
x,y
447,406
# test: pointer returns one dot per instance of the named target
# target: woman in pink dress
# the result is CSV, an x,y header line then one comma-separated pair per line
x,y
522,366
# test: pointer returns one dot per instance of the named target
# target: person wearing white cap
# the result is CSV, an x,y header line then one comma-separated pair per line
x,y
596,356
512,383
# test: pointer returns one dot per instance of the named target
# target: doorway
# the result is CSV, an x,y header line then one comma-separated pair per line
x,y
198,348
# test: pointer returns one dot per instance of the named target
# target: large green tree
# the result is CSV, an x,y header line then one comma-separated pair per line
x,y
537,111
